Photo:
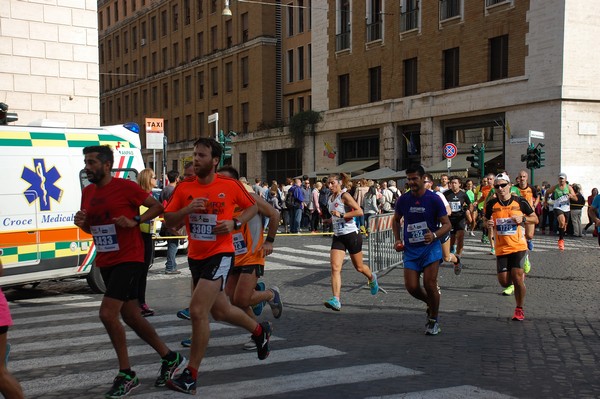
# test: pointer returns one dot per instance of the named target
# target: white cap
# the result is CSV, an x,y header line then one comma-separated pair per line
x,y
502,176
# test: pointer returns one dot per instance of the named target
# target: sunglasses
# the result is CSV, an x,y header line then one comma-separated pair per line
x,y
427,181
497,186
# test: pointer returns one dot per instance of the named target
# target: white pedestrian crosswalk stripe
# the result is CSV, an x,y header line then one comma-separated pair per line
x,y
61,349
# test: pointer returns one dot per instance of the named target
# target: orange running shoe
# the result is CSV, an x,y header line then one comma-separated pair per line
x,y
561,244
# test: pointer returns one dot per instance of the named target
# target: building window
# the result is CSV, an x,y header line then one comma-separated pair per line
x,y
199,9
165,58
245,117
165,89
245,27
229,76
243,166
109,52
125,7
214,80
175,16
154,62
301,63
344,90
359,148
283,163
213,39
300,104
186,13
163,23
144,66
200,77
409,15
136,104
309,58
213,6
126,73
126,106
144,33
374,84
101,53
290,66
343,25
499,57
175,92
290,19
117,46
229,33
228,118
175,54
118,73
176,130
134,38
200,44
290,108
374,20
188,89
449,9
300,16
135,71
188,127
410,77
116,8
100,21
245,71
145,101
153,30
154,98
187,49
451,67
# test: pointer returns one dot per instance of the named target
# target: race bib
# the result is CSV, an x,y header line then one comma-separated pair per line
x,y
455,206
506,227
338,223
562,202
239,245
202,226
105,237
416,232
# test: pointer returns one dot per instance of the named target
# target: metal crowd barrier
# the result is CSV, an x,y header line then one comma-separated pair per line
x,y
382,254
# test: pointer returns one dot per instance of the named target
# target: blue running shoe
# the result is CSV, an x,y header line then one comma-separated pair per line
x,y
186,343
530,245
333,303
374,285
184,314
276,304
258,308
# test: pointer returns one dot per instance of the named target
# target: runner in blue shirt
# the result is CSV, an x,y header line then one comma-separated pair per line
x,y
421,211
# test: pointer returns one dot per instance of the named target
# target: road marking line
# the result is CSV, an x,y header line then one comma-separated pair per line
x,y
41,386
459,392
65,298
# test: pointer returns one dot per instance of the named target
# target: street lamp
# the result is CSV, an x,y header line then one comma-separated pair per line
x,y
226,11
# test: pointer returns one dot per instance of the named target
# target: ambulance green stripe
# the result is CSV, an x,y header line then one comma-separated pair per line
x,y
47,136
82,143
15,143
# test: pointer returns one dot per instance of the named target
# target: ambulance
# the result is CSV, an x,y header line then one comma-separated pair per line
x,y
41,172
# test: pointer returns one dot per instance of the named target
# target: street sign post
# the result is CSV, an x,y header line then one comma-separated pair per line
x,y
450,152
155,138
214,118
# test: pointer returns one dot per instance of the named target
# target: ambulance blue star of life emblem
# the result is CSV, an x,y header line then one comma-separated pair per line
x,y
42,184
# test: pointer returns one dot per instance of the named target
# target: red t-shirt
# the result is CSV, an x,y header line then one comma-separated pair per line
x,y
223,195
114,244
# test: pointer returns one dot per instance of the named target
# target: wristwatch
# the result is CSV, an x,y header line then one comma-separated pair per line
x,y
434,235
137,219
236,224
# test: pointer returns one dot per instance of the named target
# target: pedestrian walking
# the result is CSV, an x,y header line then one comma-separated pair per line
x,y
110,212
576,208
343,209
173,243
422,212
147,181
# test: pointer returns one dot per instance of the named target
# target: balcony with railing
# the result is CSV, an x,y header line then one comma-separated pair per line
x,y
342,41
374,31
449,9
409,20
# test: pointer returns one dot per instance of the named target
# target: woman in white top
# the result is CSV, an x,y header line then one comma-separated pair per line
x,y
344,209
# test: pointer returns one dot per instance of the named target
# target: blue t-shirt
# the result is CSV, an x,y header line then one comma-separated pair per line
x,y
420,214
596,204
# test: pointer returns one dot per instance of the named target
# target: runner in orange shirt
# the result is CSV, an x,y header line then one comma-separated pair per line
x,y
506,214
206,205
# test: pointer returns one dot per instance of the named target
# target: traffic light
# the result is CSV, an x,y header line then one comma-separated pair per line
x,y
225,141
531,158
541,157
477,159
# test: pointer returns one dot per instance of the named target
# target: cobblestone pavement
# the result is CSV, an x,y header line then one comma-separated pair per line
x,y
374,347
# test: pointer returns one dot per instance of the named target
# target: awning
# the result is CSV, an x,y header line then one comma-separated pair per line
x,y
378,174
460,165
346,167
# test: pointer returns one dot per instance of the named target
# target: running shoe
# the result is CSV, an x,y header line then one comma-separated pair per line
x,y
186,343
472,233
122,385
485,240
250,345
333,303
493,251
175,271
183,383
168,369
457,266
526,264
184,314
146,311
519,314
258,308
561,244
433,327
508,291
373,284
530,245
453,249
262,341
276,303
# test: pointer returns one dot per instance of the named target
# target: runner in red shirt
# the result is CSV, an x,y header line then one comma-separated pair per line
x,y
206,206
110,212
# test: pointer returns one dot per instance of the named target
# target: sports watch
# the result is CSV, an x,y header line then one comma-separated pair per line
x,y
137,219
236,224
